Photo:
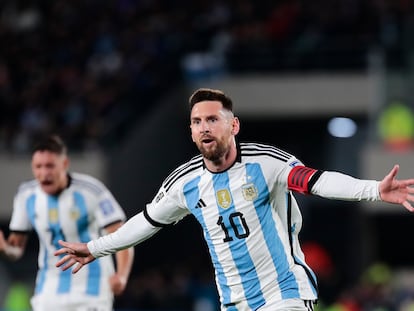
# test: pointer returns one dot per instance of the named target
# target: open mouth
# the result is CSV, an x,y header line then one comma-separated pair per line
x,y
207,142
207,139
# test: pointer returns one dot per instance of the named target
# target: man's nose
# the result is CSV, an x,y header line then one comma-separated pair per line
x,y
205,128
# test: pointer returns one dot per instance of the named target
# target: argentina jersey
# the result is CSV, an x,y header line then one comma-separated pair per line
x,y
76,214
250,222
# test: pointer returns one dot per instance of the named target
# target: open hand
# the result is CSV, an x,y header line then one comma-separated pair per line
x,y
73,253
397,191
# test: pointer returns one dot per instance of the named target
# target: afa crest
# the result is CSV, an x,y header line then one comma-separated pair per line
x,y
249,192
53,215
223,198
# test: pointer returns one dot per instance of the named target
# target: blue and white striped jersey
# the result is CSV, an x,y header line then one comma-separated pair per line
x,y
250,221
79,213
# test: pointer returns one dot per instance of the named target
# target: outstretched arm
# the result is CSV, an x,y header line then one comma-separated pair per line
x,y
397,191
335,185
134,231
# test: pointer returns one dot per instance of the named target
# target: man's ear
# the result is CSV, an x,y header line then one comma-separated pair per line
x,y
235,126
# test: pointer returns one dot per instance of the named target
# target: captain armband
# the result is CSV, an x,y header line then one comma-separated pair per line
x,y
302,178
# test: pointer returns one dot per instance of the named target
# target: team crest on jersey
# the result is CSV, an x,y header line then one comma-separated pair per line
x,y
249,192
53,215
223,198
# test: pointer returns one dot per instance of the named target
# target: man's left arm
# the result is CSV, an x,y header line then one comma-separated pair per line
x,y
335,185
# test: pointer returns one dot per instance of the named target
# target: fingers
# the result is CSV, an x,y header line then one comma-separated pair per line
x,y
64,244
64,250
408,206
77,268
69,261
393,172
408,183
66,261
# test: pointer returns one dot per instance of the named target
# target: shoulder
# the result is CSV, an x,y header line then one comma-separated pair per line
x,y
27,187
184,172
87,183
256,151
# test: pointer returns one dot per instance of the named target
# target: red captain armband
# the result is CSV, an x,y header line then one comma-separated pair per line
x,y
299,179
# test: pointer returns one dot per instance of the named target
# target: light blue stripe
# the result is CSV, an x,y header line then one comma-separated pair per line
x,y
192,195
94,268
286,279
30,208
65,278
238,248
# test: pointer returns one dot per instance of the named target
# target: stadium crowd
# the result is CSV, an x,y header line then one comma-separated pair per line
x,y
88,69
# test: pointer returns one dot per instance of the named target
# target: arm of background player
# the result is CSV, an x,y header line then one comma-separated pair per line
x,y
13,248
124,261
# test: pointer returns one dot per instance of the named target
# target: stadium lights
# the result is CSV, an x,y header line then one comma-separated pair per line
x,y
342,127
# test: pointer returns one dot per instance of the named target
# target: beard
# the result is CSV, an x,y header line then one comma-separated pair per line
x,y
214,153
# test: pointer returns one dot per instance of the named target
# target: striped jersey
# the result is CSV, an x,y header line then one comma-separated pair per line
x,y
79,213
250,221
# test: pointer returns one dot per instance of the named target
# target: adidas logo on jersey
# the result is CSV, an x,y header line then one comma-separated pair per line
x,y
200,204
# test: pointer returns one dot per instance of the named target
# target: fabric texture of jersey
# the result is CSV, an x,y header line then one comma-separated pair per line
x,y
79,213
250,221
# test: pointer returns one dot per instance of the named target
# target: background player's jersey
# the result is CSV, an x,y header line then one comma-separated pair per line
x,y
250,220
77,214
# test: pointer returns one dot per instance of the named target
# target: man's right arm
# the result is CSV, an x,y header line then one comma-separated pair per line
x,y
134,231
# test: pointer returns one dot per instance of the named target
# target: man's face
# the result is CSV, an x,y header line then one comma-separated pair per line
x,y
212,129
50,170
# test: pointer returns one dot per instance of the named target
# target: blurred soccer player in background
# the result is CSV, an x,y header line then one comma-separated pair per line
x,y
59,204
241,194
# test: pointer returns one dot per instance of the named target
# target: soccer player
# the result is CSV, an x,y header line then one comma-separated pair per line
x,y
59,204
241,194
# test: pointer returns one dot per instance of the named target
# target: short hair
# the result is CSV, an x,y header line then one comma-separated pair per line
x,y
203,94
52,143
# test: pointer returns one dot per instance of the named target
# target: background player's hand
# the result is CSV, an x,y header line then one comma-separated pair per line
x,y
118,284
13,247
73,253
397,191
3,243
